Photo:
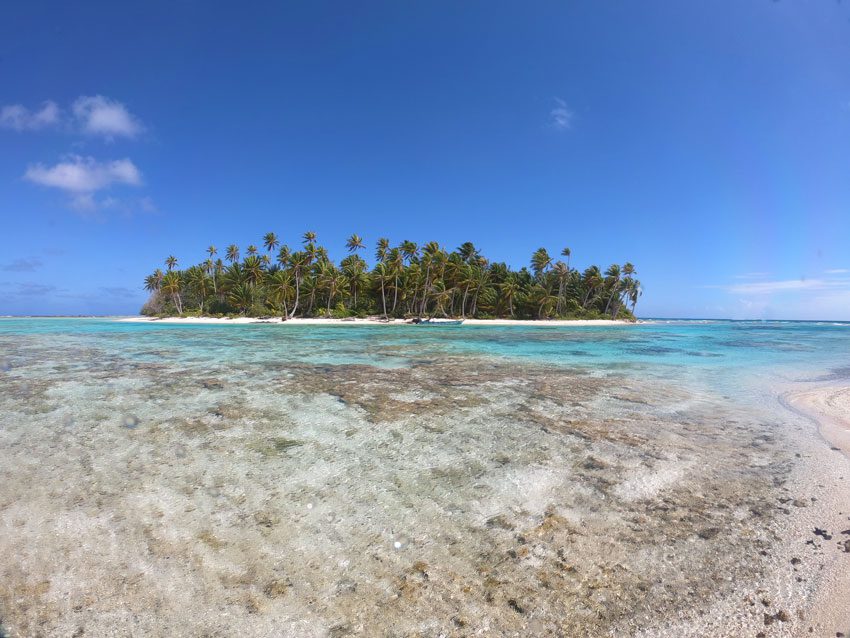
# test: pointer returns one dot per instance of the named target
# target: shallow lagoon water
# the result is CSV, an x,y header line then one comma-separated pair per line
x,y
263,480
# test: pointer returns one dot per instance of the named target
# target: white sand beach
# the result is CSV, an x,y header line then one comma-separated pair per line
x,y
376,321
830,407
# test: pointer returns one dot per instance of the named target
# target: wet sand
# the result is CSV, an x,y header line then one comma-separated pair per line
x,y
830,407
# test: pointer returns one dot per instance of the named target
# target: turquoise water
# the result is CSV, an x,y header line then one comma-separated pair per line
x,y
809,347
263,480
722,352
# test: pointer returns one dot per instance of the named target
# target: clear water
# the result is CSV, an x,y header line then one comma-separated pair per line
x,y
397,480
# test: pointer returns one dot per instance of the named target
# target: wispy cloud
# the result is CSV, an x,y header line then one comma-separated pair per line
x,y
836,271
562,117
93,207
83,177
769,287
120,291
22,265
759,288
752,275
95,115
19,118
28,289
99,115
84,174
822,298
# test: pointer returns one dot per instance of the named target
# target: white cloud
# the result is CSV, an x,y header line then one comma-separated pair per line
x,y
84,175
90,206
769,287
825,298
20,118
99,115
562,117
751,275
836,271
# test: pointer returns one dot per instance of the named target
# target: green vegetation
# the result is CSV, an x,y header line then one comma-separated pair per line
x,y
405,281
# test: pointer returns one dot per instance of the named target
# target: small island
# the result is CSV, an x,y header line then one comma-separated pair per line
x,y
406,281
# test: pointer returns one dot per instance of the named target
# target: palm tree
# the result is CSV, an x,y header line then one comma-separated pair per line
x,y
153,282
330,278
592,280
395,263
254,271
409,250
355,242
270,241
198,281
430,281
612,280
562,273
171,286
354,270
510,290
381,275
544,299
241,296
299,261
540,261
280,289
566,252
429,253
283,256
382,249
468,252
634,291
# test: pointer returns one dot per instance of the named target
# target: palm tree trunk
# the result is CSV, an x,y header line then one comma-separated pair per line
x,y
608,305
297,294
425,291
384,299
586,298
395,293
463,302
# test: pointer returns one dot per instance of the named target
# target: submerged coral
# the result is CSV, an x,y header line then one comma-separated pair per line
x,y
457,494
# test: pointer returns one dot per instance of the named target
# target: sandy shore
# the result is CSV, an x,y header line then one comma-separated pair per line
x,y
830,407
298,321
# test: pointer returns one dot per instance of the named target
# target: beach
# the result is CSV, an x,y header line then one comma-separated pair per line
x,y
830,407
196,480
374,321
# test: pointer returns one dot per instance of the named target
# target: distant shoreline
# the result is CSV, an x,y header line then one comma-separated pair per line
x,y
299,321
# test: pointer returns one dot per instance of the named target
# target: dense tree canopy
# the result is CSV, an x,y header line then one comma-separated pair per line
x,y
406,280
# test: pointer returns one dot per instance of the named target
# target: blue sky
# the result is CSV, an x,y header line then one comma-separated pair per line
x,y
708,143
